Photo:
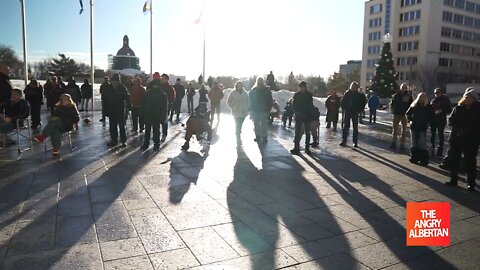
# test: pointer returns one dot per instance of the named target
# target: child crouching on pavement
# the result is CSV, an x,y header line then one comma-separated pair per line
x,y
198,124
64,118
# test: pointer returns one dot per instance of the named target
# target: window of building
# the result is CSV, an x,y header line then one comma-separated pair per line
x,y
444,47
406,61
456,34
444,62
447,16
376,9
374,36
477,23
458,18
467,35
460,4
448,2
446,32
371,62
374,49
405,3
375,22
408,46
470,6
469,21
410,16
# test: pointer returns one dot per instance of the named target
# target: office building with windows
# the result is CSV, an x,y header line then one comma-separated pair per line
x,y
434,42
350,68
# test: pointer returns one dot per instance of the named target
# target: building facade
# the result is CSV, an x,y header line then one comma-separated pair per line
x,y
434,42
125,61
347,70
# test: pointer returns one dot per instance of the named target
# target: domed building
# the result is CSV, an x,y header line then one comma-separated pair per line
x,y
125,61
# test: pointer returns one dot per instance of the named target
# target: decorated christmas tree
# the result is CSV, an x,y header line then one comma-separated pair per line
x,y
384,80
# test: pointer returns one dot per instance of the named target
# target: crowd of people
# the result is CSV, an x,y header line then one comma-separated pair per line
x,y
153,106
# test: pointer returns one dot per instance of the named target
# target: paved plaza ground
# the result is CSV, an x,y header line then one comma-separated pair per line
x,y
227,208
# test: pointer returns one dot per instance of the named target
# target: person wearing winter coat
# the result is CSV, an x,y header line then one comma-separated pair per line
x,y
400,103
215,95
420,115
154,112
288,113
332,103
64,118
137,92
260,105
314,127
87,94
117,101
103,89
303,108
5,84
179,95
203,93
441,107
168,89
352,104
274,112
34,95
239,103
190,94
373,104
52,92
465,138
74,91
15,109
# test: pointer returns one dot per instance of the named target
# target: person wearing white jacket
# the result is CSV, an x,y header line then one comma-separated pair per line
x,y
239,103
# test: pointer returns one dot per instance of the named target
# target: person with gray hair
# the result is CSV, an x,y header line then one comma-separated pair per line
x,y
465,138
352,104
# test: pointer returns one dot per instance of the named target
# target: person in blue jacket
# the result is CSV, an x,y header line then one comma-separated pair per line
x,y
373,104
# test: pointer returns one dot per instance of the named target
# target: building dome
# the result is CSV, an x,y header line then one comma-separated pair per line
x,y
125,50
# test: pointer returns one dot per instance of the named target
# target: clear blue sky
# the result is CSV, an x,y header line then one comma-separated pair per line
x,y
244,37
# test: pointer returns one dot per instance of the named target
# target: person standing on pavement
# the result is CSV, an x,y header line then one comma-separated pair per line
x,y
315,127
332,103
352,104
465,138
53,92
202,92
74,91
441,107
136,94
216,96
400,103
373,104
87,94
103,90
117,101
179,94
154,112
420,115
260,105
303,108
361,115
5,84
34,95
168,89
239,103
288,113
190,94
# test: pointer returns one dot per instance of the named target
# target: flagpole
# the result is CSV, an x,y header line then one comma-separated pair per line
x,y
92,67
24,30
204,52
151,41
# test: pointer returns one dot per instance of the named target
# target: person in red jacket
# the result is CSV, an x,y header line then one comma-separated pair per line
x,y
136,94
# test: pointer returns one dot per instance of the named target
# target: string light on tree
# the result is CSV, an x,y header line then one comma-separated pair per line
x,y
384,80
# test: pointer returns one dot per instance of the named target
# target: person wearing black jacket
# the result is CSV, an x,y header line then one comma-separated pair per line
x,y
179,95
154,112
400,103
441,107
74,91
34,95
87,94
16,108
465,138
5,85
420,114
352,104
332,103
303,108
190,94
103,90
260,105
117,101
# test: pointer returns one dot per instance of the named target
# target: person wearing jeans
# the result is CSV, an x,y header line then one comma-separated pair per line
x,y
239,103
136,94
153,111
352,104
260,104
303,108
117,102
373,104
441,107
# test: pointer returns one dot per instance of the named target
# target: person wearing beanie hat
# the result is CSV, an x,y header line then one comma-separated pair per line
x,y
117,102
441,107
302,106
156,75
465,138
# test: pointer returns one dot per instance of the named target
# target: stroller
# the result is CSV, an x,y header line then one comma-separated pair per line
x,y
199,125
